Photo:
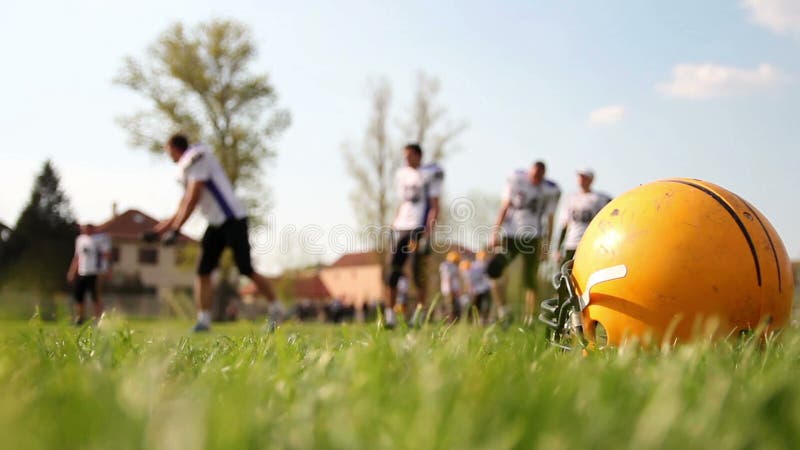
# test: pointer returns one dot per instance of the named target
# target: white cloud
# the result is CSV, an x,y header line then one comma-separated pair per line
x,y
780,16
704,81
607,115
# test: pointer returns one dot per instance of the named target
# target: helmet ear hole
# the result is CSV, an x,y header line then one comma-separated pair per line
x,y
597,334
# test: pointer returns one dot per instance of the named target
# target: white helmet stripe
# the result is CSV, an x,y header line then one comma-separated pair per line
x,y
601,276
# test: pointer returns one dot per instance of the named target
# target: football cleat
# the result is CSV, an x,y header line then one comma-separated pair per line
x,y
201,327
269,327
670,261
388,320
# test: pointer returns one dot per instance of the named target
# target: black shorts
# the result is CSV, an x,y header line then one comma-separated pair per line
x,y
530,248
483,302
406,245
84,284
233,234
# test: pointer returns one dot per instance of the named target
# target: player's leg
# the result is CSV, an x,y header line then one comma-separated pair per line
x,y
531,250
237,238
495,268
454,308
211,247
94,292
98,295
78,295
397,259
484,306
419,271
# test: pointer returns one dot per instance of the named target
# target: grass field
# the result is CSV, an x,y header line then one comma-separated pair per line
x,y
152,385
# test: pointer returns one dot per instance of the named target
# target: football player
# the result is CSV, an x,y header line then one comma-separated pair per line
x,y
418,187
450,284
579,209
83,270
524,224
208,189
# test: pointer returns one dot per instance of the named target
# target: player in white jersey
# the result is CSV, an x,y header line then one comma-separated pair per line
x,y
419,188
579,209
87,263
450,285
208,189
524,224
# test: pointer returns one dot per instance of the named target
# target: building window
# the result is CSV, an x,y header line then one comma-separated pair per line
x,y
148,256
115,254
185,255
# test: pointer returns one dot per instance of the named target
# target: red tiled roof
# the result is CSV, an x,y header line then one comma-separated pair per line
x,y
130,225
357,259
302,287
311,288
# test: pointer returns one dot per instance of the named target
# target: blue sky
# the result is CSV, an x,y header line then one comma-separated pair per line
x,y
636,90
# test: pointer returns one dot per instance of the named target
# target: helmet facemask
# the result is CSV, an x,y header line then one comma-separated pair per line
x,y
562,314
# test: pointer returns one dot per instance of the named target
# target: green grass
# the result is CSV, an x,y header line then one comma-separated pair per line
x,y
151,385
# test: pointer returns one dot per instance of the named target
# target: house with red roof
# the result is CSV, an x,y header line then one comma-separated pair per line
x,y
149,265
354,278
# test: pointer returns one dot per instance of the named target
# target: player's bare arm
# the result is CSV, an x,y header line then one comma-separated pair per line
x,y
501,217
188,204
73,269
163,226
433,215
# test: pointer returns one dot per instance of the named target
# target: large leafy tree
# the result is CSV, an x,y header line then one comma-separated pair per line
x,y
199,80
40,247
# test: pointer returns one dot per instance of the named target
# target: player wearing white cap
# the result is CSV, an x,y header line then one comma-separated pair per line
x,y
208,189
579,209
419,187
524,224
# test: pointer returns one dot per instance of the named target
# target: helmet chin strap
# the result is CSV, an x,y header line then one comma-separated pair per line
x,y
601,276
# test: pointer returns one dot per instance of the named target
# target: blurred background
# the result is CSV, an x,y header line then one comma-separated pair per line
x,y
314,101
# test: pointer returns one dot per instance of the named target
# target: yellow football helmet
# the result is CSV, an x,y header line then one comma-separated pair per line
x,y
670,259
453,257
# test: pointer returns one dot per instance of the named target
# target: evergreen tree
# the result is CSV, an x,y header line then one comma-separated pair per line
x,y
40,247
